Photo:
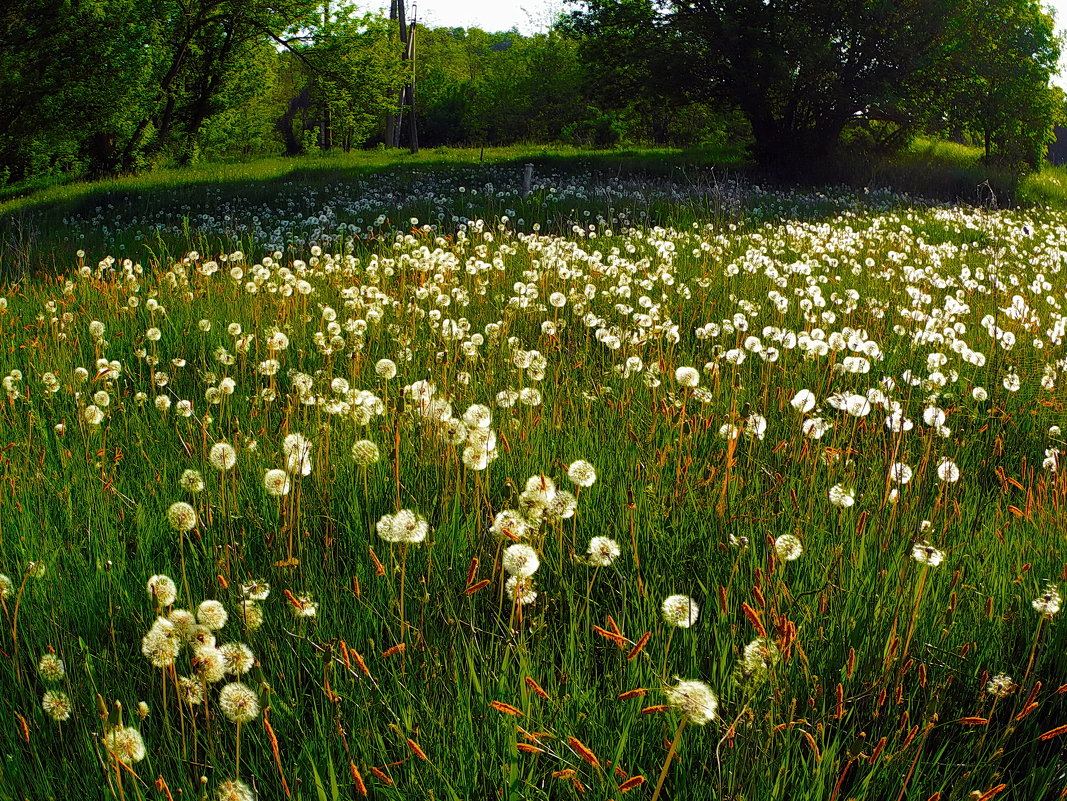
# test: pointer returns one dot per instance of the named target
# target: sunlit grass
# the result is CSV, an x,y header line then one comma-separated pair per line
x,y
803,449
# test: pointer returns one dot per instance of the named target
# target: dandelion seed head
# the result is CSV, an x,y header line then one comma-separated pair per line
x,y
56,704
125,744
520,590
162,590
222,456
926,554
603,551
212,614
680,610
181,516
581,473
1048,604
192,481
1000,685
234,790
239,702
694,700
51,668
521,560
276,482
788,547
365,453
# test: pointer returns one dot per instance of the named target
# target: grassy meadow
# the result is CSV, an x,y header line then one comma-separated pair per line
x,y
409,485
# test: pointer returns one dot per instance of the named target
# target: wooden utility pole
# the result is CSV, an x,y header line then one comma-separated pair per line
x,y
394,123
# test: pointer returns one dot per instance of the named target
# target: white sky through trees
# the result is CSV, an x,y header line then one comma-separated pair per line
x,y
529,16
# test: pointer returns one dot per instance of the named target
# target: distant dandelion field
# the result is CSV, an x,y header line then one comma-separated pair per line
x,y
617,487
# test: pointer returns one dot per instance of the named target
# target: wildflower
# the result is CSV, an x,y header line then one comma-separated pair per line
x,y
687,376
694,700
803,401
192,481
520,590
276,482
6,586
926,554
521,561
385,368
979,394
57,705
190,691
161,644
365,453
124,743
788,547
222,456
509,523
93,415
1000,685
51,668
212,614
680,611
841,496
233,790
758,657
238,657
900,473
162,590
239,702
257,590
251,614
209,664
298,454
1049,602
404,526
603,551
947,471
303,606
182,516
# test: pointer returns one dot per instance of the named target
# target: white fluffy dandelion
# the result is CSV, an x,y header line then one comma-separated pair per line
x,y
581,473
680,611
521,560
694,700
181,516
788,547
603,551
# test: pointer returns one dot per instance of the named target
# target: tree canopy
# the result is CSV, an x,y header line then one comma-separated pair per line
x,y
803,71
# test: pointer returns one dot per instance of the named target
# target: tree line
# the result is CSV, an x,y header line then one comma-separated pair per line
x,y
101,87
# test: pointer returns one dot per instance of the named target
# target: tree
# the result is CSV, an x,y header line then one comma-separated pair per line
x,y
999,78
801,71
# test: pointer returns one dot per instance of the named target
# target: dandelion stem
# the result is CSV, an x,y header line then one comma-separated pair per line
x,y
670,756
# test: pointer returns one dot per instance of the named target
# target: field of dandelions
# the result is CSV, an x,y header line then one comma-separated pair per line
x,y
414,487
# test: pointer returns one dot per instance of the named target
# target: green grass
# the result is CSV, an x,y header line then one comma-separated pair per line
x,y
872,681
